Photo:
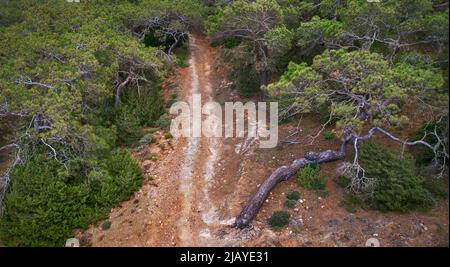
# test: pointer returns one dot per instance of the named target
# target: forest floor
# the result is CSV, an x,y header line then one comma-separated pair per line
x,y
196,187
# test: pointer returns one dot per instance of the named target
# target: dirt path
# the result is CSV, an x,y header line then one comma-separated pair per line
x,y
201,155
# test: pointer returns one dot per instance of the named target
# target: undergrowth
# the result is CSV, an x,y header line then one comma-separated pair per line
x,y
397,187
42,209
279,219
309,177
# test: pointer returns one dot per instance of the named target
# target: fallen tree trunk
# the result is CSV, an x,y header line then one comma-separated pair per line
x,y
281,174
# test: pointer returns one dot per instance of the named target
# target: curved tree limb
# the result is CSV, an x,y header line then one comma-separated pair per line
x,y
119,89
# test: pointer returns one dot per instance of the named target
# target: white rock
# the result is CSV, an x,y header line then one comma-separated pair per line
x,y
230,221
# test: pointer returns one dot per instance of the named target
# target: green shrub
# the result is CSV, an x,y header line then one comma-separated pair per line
x,y
41,209
182,54
342,180
290,203
146,139
328,135
163,122
294,195
323,193
10,13
423,155
247,82
152,40
309,177
397,186
351,203
436,187
106,225
123,179
139,108
279,219
129,130
146,104
168,135
324,113
104,57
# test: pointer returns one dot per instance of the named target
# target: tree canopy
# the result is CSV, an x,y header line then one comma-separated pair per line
x,y
358,86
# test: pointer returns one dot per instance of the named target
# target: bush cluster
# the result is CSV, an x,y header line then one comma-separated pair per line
x,y
328,135
294,195
291,199
279,219
309,177
398,187
42,209
139,109
342,180
423,155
